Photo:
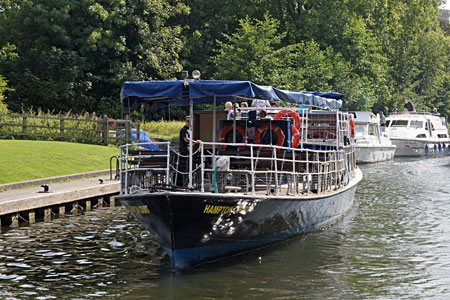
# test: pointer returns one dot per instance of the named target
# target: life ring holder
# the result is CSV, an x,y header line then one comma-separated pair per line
x,y
272,127
226,129
292,114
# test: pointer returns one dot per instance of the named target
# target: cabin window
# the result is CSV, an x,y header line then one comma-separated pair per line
x,y
360,130
388,122
399,123
416,124
421,136
372,129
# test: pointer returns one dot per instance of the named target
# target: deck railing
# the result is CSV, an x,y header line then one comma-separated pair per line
x,y
278,171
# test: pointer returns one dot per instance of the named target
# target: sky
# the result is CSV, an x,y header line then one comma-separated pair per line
x,y
447,5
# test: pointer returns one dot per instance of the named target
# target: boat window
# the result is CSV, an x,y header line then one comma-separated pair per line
x,y
360,130
421,136
432,126
388,122
372,129
399,123
416,124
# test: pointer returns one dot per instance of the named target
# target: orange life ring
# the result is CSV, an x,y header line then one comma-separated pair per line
x,y
352,126
267,127
114,123
292,114
224,132
295,136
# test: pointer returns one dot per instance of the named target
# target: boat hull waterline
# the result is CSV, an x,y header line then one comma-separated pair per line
x,y
372,154
418,147
199,227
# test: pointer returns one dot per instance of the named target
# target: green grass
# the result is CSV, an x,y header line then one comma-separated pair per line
x,y
26,160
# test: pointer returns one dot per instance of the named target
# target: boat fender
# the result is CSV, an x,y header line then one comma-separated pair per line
x,y
266,127
293,115
224,132
352,125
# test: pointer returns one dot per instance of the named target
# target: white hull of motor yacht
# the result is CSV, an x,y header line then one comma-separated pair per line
x,y
371,154
408,147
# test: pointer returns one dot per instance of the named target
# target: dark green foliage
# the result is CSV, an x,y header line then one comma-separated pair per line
x,y
75,55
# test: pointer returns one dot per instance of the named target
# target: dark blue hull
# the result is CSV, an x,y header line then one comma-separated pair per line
x,y
197,227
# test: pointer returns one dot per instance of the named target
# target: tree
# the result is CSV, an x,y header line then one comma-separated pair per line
x,y
75,55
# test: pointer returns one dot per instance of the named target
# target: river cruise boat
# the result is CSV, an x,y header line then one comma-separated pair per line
x,y
372,144
417,134
250,182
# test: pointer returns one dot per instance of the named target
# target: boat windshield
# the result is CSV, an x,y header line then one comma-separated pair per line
x,y
399,123
361,130
416,124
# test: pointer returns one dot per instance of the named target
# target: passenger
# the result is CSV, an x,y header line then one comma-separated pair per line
x,y
185,136
260,103
230,115
409,106
435,112
263,115
244,104
382,119
395,111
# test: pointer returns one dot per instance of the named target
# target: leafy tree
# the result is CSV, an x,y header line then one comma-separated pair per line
x,y
75,55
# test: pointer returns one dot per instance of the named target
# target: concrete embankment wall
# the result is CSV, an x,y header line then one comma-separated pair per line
x,y
29,204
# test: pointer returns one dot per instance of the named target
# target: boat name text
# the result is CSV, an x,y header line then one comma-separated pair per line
x,y
217,209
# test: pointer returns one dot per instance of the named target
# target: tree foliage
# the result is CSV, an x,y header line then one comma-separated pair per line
x,y
75,55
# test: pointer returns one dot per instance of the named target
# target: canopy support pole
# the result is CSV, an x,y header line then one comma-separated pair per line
x,y
214,131
191,120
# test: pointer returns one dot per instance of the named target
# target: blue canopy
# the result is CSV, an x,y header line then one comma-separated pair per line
x,y
154,94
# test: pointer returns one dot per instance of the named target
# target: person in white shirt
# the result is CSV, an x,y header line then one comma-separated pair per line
x,y
260,103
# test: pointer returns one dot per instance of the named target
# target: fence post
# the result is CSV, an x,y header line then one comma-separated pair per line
x,y
127,130
24,127
99,130
61,128
105,130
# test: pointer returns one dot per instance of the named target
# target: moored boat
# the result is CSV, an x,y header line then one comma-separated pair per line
x,y
250,182
372,144
418,134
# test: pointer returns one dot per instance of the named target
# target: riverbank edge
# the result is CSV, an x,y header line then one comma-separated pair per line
x,y
28,183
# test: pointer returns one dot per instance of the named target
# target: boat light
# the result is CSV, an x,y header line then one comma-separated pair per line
x,y
196,74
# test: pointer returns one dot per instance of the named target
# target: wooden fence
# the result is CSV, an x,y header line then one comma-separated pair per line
x,y
98,130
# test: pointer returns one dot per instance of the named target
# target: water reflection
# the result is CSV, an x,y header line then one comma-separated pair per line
x,y
394,244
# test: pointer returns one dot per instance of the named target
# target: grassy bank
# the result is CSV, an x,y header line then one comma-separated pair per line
x,y
26,160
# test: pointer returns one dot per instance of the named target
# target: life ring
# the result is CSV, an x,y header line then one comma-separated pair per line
x,y
224,132
295,136
352,125
292,114
266,127
114,123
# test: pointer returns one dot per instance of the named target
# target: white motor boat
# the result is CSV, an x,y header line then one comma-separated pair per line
x,y
372,144
416,133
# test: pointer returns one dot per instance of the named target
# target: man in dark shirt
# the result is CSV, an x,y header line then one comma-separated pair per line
x,y
409,106
185,135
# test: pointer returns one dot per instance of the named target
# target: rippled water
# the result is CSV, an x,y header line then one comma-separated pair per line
x,y
394,244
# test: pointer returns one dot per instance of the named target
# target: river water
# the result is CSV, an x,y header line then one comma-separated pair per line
x,y
393,244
